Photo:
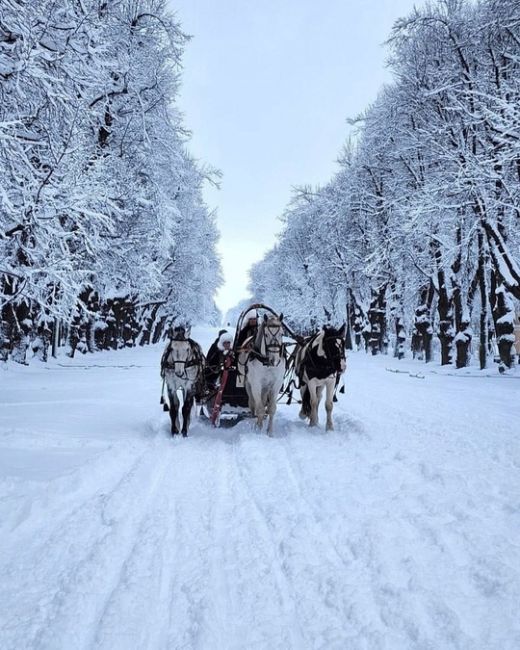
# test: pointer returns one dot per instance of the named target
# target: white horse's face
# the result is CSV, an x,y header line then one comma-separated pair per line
x,y
180,373
180,350
270,339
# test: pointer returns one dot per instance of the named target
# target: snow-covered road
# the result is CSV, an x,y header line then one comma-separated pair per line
x,y
399,530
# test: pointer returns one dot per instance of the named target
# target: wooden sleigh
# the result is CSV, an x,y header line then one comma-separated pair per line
x,y
230,403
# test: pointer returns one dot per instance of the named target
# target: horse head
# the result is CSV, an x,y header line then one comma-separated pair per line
x,y
269,339
333,345
183,358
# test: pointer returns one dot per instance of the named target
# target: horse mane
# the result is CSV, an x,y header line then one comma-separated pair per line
x,y
332,332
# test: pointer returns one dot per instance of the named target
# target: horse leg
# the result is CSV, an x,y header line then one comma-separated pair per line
x,y
260,411
313,395
174,411
271,410
319,393
258,405
250,400
254,392
329,403
186,414
305,408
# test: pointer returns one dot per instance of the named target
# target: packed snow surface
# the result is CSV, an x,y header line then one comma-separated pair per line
x,y
400,529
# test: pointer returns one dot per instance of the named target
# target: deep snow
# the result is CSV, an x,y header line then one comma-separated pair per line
x,y
399,530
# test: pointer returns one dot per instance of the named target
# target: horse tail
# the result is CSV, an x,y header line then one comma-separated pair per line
x,y
306,401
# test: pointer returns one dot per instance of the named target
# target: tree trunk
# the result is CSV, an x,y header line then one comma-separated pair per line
x,y
358,320
397,314
348,333
463,333
158,330
484,307
55,337
504,317
444,307
377,320
400,338
422,340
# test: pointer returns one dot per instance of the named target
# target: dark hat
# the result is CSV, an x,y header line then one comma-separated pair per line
x,y
222,332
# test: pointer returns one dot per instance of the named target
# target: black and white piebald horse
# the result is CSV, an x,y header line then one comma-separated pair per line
x,y
182,368
319,362
265,369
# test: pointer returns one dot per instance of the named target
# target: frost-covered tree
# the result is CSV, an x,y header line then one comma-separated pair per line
x,y
98,191
419,231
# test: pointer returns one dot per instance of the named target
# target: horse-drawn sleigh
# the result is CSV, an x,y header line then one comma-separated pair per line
x,y
247,374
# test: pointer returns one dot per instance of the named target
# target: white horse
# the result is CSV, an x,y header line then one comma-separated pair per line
x,y
182,368
265,370
319,363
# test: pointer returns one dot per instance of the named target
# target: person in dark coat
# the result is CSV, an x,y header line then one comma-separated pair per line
x,y
215,357
249,327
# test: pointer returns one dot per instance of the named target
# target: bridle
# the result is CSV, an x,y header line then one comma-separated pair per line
x,y
272,344
190,362
335,353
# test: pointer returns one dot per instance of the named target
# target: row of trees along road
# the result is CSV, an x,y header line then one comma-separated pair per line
x,y
104,236
418,234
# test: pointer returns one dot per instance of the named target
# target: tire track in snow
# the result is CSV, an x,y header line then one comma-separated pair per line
x,y
72,494
191,610
66,495
66,575
315,574
166,578
141,586
56,555
270,566
85,586
294,473
384,529
218,558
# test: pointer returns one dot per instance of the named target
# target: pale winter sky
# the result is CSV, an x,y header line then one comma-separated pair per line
x,y
267,89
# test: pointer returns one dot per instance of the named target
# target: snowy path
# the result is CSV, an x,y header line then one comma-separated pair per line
x,y
399,530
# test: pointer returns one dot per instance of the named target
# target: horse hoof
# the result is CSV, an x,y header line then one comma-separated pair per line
x,y
184,435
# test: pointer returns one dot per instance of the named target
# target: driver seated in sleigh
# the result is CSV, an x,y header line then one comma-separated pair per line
x,y
247,334
219,349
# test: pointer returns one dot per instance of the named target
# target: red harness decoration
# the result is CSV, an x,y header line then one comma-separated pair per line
x,y
228,361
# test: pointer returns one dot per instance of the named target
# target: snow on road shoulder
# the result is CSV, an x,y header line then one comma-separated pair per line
x,y
398,530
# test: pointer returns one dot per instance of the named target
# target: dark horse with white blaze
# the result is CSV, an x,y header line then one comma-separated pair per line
x,y
320,361
182,368
265,370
